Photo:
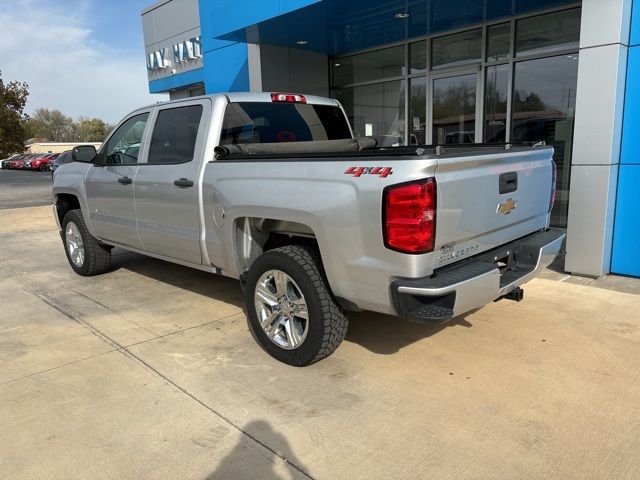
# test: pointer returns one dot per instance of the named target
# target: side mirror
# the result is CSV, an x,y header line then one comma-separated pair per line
x,y
83,153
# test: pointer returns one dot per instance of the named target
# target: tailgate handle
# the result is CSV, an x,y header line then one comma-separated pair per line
x,y
508,182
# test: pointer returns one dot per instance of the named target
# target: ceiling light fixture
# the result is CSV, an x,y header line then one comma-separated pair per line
x,y
401,15
302,42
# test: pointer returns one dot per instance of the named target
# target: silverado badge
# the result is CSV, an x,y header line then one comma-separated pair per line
x,y
505,208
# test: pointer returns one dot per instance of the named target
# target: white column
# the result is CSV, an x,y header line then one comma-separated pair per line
x,y
604,43
255,67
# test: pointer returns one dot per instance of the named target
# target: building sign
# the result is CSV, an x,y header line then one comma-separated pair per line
x,y
180,53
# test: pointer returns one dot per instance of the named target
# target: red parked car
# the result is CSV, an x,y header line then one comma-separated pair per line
x,y
42,162
17,163
26,161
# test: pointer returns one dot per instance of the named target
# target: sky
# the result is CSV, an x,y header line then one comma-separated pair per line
x,y
83,57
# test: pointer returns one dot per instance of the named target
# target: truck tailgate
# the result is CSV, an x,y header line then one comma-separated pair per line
x,y
487,200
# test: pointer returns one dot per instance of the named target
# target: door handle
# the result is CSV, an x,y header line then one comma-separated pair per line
x,y
183,183
125,180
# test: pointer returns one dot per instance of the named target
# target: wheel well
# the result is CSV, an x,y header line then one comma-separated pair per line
x,y
254,236
64,203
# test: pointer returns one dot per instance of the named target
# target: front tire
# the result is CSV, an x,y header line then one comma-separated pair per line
x,y
290,310
86,255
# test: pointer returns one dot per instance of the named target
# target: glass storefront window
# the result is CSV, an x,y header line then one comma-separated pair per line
x,y
458,49
418,57
454,109
377,65
548,33
544,101
376,111
375,87
498,42
495,104
418,111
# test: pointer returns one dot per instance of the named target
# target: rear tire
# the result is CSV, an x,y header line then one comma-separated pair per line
x,y
86,255
276,316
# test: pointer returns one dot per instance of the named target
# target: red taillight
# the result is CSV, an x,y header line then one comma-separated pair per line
x,y
288,98
410,216
554,180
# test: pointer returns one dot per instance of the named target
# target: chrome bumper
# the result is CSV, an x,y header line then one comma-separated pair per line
x,y
473,283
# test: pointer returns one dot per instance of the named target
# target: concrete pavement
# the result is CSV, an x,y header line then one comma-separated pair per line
x,y
149,372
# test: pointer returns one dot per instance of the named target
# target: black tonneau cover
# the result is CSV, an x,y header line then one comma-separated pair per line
x,y
355,148
284,148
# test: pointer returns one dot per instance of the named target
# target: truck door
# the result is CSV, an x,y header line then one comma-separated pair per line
x,y
166,188
110,188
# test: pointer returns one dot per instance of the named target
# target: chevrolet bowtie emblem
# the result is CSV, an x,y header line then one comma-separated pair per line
x,y
505,208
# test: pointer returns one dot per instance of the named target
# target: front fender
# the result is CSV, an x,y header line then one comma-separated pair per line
x,y
69,179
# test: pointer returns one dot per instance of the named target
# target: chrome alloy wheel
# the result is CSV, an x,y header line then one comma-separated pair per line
x,y
75,247
282,310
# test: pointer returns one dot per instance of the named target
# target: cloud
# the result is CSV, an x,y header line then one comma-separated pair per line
x,y
55,53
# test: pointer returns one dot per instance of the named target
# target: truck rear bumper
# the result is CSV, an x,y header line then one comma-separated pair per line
x,y
472,283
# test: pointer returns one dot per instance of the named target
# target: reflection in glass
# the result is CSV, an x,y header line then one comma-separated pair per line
x,y
524,6
377,65
495,103
454,109
418,57
376,111
548,33
498,41
418,111
544,102
458,49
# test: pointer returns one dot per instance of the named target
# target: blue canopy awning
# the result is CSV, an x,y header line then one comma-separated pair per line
x,y
339,26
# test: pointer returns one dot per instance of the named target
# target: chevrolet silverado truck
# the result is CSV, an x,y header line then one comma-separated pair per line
x,y
273,190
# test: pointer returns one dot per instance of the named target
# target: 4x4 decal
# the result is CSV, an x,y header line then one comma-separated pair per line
x,y
383,172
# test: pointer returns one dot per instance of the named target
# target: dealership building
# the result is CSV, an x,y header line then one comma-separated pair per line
x,y
439,72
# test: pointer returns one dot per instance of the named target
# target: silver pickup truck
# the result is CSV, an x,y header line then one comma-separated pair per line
x,y
272,189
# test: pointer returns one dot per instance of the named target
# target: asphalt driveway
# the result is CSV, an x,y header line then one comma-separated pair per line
x,y
24,188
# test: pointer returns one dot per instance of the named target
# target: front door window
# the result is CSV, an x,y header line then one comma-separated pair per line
x,y
124,145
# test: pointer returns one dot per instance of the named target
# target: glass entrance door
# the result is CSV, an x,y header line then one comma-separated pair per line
x,y
454,108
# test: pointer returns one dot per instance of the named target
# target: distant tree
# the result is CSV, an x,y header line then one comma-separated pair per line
x,y
91,129
57,127
454,100
50,124
531,103
13,98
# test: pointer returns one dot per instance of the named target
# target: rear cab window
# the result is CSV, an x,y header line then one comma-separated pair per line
x,y
175,135
263,122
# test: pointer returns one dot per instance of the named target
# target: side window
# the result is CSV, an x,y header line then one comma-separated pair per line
x,y
124,145
174,136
